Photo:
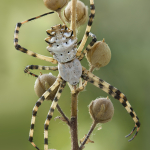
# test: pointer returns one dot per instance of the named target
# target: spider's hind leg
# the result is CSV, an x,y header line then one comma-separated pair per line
x,y
114,92
50,113
37,105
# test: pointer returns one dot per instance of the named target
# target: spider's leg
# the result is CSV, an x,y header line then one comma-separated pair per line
x,y
50,113
26,70
24,50
38,103
88,28
45,68
114,92
89,46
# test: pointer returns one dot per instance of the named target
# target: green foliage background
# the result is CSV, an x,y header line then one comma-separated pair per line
x,y
125,25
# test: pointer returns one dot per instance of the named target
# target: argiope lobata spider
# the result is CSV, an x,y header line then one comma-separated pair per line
x,y
63,47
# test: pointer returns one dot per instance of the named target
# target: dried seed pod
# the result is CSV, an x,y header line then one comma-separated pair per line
x,y
101,110
82,13
99,55
55,4
42,83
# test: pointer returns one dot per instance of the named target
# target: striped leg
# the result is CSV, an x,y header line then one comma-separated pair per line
x,y
24,50
89,46
106,87
88,28
38,103
50,113
26,70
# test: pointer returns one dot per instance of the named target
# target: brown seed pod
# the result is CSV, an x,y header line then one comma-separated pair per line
x,y
55,4
99,55
82,13
101,110
42,83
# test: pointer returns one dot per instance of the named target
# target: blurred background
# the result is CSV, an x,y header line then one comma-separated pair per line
x,y
125,26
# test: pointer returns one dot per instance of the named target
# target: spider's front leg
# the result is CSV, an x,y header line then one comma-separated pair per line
x,y
88,28
114,92
50,113
24,50
38,67
38,103
94,39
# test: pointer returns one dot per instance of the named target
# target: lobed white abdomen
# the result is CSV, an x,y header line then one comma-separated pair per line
x,y
70,71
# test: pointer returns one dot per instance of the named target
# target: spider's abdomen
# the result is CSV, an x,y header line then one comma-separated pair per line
x,y
70,71
62,43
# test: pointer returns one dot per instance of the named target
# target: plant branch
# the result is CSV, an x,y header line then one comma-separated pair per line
x,y
60,15
88,135
64,116
73,122
73,16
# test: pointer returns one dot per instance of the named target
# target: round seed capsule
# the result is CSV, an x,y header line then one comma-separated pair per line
x,y
81,10
42,83
55,4
99,55
101,110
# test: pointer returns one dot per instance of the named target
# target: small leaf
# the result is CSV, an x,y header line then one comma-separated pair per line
x,y
61,118
88,141
99,128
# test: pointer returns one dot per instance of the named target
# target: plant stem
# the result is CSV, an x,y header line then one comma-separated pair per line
x,y
91,68
60,16
73,122
62,113
73,16
88,135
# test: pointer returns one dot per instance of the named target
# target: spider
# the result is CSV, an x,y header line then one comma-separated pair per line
x,y
66,53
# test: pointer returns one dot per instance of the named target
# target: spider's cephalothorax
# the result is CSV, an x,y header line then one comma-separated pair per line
x,y
62,43
63,47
